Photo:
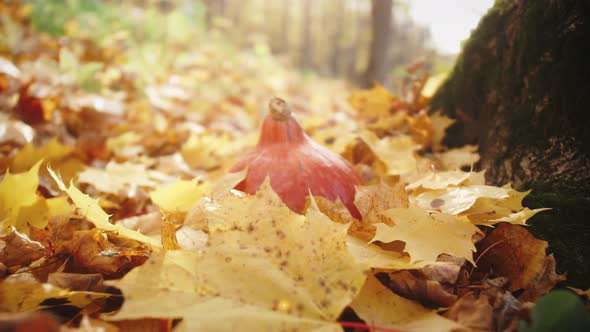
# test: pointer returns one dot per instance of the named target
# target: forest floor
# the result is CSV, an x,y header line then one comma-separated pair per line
x,y
117,207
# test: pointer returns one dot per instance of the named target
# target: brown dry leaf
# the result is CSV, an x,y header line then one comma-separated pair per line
x,y
415,286
377,305
428,234
520,256
99,251
545,281
92,282
18,249
474,312
300,277
421,129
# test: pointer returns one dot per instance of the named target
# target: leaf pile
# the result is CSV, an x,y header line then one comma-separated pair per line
x,y
117,211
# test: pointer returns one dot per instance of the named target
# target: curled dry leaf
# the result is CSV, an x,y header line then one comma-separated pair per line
x,y
416,286
98,251
520,256
18,249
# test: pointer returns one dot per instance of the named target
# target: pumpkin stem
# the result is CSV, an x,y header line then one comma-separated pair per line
x,y
279,109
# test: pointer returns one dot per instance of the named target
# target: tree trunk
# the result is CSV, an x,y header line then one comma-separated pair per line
x,y
285,21
338,19
307,44
521,91
380,30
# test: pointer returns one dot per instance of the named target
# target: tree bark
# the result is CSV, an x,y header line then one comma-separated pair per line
x,y
380,36
521,91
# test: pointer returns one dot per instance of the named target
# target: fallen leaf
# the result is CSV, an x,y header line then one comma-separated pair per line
x,y
180,196
455,200
118,177
378,306
90,208
544,281
374,102
415,286
428,234
18,249
520,256
51,152
442,180
474,312
27,294
300,277
17,192
396,152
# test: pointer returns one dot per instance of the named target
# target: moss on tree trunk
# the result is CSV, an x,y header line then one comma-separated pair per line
x,y
521,91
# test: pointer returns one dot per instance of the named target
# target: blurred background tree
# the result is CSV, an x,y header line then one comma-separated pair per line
x,y
359,40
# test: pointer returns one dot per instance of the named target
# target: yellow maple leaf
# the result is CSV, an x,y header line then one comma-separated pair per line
x,y
428,234
455,200
50,152
180,196
206,151
489,211
442,180
27,294
90,208
117,177
373,102
377,305
300,275
17,192
396,152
